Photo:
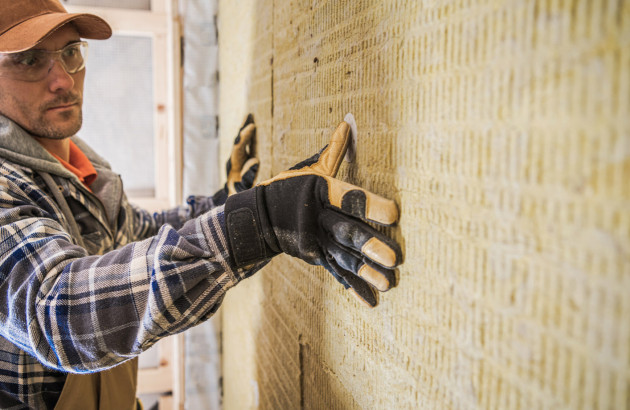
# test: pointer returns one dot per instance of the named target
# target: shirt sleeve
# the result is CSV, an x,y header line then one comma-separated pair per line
x,y
147,224
80,313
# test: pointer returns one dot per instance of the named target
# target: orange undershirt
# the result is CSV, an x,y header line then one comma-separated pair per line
x,y
79,165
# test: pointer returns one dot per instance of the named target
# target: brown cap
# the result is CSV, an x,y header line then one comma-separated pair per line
x,y
25,23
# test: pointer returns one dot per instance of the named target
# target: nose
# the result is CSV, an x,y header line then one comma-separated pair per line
x,y
58,78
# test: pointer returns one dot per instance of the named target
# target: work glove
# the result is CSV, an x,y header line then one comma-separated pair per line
x,y
307,213
242,166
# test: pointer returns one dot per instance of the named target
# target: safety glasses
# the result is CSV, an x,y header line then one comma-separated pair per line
x,y
34,65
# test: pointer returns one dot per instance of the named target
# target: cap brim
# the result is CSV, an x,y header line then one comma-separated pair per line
x,y
33,31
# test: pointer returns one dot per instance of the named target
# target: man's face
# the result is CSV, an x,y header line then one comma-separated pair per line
x,y
49,108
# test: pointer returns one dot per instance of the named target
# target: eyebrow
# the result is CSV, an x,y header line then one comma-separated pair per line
x,y
72,42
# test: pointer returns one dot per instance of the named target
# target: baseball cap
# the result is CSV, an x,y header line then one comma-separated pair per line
x,y
25,23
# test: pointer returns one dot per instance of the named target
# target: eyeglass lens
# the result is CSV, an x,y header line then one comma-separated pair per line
x,y
34,65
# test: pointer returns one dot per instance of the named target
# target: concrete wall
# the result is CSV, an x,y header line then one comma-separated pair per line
x,y
502,130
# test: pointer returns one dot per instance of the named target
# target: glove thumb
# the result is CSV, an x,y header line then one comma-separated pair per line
x,y
328,160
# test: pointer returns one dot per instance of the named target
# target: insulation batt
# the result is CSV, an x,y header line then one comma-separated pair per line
x,y
502,130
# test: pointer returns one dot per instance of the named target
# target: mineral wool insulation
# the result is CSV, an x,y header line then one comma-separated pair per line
x,y
502,130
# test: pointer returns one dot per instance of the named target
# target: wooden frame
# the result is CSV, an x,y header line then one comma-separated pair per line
x,y
162,25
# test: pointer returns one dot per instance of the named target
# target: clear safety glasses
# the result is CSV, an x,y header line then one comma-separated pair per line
x,y
34,65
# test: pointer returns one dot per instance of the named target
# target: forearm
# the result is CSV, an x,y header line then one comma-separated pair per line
x,y
82,313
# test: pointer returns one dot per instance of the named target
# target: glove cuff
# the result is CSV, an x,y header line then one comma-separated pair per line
x,y
250,235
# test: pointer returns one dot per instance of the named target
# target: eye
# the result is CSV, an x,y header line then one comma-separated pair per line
x,y
26,59
72,51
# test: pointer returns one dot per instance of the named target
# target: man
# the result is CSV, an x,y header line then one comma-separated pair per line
x,y
88,281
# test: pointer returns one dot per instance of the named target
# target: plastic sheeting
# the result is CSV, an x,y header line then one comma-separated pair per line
x,y
118,109
202,175
201,160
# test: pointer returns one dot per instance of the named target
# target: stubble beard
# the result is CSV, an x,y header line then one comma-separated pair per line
x,y
41,127
34,121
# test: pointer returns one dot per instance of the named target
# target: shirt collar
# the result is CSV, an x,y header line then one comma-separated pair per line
x,y
79,164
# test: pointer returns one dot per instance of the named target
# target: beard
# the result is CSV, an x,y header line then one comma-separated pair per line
x,y
37,120
71,120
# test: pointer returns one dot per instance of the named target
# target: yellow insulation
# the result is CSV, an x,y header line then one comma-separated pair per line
x,y
502,131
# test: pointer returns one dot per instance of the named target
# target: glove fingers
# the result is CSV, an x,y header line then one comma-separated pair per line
x,y
243,147
361,238
245,136
360,203
231,187
242,166
379,277
238,142
248,120
251,148
335,275
247,180
358,286
249,172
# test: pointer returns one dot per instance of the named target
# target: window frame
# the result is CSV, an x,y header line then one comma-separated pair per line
x,y
163,25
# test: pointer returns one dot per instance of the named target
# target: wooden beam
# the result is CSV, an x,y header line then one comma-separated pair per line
x,y
175,96
159,379
159,6
155,380
165,402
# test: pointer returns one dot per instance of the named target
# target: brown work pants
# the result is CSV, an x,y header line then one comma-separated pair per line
x,y
113,389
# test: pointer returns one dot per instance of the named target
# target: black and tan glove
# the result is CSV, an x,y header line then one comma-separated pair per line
x,y
242,166
307,213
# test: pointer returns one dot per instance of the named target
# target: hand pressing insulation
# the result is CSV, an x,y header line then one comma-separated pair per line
x,y
309,214
242,166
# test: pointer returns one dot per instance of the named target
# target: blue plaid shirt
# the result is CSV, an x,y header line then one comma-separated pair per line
x,y
137,278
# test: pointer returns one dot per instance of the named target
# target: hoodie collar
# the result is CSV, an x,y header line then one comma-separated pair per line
x,y
18,146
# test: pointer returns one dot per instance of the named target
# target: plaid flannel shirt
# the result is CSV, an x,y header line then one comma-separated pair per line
x,y
66,308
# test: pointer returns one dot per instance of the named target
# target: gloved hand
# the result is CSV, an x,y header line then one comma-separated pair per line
x,y
308,214
242,166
